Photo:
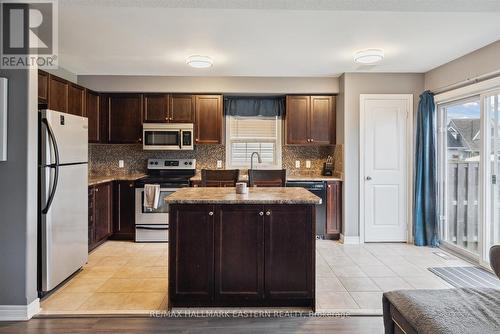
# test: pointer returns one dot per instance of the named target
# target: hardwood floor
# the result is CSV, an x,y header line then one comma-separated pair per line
x,y
346,325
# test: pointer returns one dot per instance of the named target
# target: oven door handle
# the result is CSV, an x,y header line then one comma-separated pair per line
x,y
142,227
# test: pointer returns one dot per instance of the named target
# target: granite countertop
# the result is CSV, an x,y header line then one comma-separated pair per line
x,y
306,176
98,179
228,195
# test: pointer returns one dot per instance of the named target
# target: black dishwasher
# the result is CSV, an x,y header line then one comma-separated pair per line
x,y
318,188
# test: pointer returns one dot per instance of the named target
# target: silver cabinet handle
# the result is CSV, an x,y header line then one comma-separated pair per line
x,y
268,213
261,213
368,178
211,213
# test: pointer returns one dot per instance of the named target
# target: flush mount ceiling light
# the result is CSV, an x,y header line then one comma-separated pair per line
x,y
199,61
369,56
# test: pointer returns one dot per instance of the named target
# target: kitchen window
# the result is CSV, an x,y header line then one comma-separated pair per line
x,y
245,135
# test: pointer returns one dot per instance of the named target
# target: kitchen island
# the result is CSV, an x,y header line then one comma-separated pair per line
x,y
251,250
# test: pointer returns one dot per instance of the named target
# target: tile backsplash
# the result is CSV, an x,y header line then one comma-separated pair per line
x,y
104,158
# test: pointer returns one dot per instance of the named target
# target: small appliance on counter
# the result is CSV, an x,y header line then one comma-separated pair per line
x,y
328,166
151,224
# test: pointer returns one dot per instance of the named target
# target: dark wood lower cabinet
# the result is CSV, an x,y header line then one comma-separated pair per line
x,y
191,255
100,214
333,209
241,255
123,210
289,246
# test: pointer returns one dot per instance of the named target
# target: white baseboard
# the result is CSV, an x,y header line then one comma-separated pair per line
x,y
349,240
19,312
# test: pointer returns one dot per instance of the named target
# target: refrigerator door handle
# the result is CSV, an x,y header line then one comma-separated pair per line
x,y
55,165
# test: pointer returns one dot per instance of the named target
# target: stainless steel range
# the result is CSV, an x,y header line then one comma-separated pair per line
x,y
151,225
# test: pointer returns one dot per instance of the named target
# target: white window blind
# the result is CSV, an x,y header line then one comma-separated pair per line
x,y
245,135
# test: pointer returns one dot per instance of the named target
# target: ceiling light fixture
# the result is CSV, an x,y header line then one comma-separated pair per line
x,y
369,56
197,61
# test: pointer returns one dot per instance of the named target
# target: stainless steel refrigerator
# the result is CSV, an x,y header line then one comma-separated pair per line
x,y
63,197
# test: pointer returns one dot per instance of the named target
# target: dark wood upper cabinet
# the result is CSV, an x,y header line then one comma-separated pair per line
x,y
103,211
191,254
104,118
125,118
124,210
182,108
333,208
76,99
156,108
208,119
58,94
297,119
239,253
310,120
92,108
43,87
288,267
320,120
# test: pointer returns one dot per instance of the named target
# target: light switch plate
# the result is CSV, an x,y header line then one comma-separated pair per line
x,y
219,163
121,164
308,163
297,163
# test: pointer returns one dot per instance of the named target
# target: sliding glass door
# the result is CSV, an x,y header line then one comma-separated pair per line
x,y
460,160
469,174
491,105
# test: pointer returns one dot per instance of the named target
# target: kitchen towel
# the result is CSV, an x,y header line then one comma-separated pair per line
x,y
151,196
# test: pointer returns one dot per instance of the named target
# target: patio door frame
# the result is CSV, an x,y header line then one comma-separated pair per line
x,y
481,89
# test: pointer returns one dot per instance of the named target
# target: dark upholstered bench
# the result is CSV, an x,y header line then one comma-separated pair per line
x,y
464,310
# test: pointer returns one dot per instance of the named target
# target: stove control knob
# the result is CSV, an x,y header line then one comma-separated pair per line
x,y
185,163
190,162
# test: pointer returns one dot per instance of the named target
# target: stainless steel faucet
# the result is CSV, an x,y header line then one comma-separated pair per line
x,y
251,159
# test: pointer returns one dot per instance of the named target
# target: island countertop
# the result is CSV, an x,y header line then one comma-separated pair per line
x,y
227,195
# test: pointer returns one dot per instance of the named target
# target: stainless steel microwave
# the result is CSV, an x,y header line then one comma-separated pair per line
x,y
167,136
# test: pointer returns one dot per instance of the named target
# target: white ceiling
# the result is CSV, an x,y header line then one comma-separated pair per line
x,y
268,38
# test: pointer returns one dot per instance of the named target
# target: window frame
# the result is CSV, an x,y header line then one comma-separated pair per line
x,y
278,144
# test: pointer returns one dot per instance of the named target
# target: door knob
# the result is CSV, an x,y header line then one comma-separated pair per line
x,y
368,178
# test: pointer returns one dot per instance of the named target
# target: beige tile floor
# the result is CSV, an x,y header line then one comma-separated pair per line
x,y
352,278
130,278
120,277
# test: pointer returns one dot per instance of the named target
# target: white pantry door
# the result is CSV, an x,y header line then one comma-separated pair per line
x,y
384,166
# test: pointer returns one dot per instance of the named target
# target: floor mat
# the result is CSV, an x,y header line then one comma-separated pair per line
x,y
467,277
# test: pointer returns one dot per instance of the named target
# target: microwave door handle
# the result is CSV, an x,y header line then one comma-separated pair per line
x,y
180,138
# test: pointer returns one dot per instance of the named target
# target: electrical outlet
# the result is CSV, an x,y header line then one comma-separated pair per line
x,y
297,163
308,163
219,163
121,164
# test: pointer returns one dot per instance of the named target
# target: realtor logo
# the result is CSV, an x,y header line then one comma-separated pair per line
x,y
29,34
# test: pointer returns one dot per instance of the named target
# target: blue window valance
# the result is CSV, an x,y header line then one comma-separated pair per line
x,y
251,106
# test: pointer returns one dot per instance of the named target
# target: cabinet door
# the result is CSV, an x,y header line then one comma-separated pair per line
x,y
43,86
156,108
125,118
124,210
58,94
289,252
320,120
208,119
76,99
333,208
104,118
182,108
92,112
297,119
102,211
91,218
239,261
191,255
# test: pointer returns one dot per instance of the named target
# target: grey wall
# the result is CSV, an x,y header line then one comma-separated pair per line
x,y
475,64
255,85
63,73
18,192
351,86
